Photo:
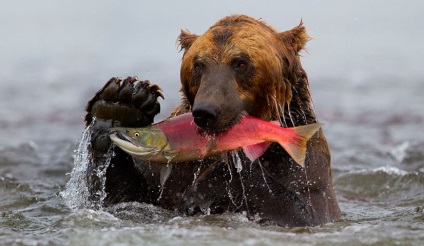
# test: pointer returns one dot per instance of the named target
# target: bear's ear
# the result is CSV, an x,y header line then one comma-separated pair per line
x,y
186,39
295,38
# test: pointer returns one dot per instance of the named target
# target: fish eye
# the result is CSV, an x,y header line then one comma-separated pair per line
x,y
137,134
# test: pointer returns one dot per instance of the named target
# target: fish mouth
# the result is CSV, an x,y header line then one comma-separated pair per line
x,y
129,145
121,138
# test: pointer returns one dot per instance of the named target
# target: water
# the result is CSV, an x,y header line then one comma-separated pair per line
x,y
365,69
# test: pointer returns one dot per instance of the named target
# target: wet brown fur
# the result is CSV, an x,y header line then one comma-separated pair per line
x,y
278,90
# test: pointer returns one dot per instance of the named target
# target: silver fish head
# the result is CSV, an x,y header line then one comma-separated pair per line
x,y
145,143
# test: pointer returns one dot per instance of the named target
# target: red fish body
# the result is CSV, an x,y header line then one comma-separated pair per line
x,y
186,141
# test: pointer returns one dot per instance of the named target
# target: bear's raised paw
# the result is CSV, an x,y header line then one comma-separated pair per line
x,y
126,102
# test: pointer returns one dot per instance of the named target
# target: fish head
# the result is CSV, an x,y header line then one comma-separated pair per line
x,y
146,142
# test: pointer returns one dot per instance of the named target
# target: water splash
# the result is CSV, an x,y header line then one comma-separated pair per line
x,y
279,111
197,173
101,174
237,161
263,176
308,183
76,193
238,164
302,102
290,115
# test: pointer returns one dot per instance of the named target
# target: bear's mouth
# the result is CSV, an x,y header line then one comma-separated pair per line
x,y
220,128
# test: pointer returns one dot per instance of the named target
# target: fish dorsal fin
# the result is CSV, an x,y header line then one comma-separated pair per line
x,y
165,172
253,152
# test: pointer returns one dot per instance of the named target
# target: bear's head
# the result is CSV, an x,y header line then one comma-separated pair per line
x,y
240,66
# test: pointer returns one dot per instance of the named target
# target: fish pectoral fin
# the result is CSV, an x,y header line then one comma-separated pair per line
x,y
165,172
170,154
253,152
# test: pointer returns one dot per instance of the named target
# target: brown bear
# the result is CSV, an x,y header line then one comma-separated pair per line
x,y
238,66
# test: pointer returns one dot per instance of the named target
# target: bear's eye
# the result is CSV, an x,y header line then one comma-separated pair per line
x,y
198,67
239,64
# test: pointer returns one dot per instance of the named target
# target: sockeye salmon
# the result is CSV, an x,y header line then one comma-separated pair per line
x,y
179,139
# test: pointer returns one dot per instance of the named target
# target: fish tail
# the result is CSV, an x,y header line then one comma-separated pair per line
x,y
296,145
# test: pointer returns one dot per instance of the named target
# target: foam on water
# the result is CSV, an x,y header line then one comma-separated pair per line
x,y
390,170
409,154
399,153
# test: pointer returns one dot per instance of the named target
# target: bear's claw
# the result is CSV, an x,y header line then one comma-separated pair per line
x,y
127,102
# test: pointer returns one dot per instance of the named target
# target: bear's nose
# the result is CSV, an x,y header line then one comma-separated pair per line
x,y
205,115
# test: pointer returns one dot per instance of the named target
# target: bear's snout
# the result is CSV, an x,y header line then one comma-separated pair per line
x,y
205,115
